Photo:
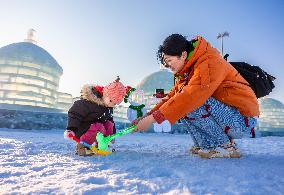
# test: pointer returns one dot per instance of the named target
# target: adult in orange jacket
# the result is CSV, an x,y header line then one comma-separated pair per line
x,y
213,100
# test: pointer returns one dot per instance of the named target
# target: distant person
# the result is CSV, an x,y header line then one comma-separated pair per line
x,y
213,100
165,126
93,113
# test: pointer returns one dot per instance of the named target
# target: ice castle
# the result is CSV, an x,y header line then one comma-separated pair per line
x,y
271,119
30,78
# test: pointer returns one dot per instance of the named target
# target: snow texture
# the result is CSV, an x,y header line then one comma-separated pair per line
x,y
42,162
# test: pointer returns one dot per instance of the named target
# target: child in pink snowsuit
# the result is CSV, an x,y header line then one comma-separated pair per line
x,y
93,113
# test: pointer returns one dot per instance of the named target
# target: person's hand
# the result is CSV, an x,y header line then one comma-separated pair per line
x,y
135,122
145,123
68,134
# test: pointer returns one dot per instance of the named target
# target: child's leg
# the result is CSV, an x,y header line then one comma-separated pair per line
x,y
108,128
90,136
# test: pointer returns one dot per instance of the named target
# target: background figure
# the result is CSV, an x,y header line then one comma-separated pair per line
x,y
137,104
165,126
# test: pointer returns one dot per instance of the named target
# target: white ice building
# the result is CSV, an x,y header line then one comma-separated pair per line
x,y
271,119
162,79
30,77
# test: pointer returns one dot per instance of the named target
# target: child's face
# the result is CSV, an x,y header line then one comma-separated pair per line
x,y
108,102
175,63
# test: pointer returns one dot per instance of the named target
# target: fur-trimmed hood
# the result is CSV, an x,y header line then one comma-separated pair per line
x,y
91,94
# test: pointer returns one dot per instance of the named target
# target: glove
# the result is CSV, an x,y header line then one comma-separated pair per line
x,y
68,134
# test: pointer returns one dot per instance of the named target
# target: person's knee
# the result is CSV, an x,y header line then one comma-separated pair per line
x,y
96,127
108,128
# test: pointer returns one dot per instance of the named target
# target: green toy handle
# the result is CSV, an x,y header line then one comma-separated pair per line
x,y
103,141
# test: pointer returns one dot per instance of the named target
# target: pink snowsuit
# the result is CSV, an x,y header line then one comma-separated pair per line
x,y
90,136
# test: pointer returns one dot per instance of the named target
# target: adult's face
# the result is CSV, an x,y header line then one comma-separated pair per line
x,y
174,63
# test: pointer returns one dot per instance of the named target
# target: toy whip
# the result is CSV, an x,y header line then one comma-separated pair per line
x,y
70,135
104,141
101,140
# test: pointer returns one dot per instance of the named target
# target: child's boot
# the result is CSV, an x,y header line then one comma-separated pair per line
x,y
83,151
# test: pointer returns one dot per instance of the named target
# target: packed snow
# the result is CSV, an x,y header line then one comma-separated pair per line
x,y
43,162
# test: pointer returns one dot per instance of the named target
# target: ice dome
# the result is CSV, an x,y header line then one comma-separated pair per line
x,y
269,103
271,119
30,78
29,52
162,79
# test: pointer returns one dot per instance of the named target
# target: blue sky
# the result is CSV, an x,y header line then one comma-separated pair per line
x,y
94,41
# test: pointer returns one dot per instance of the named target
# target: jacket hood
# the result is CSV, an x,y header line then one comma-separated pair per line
x,y
198,51
91,94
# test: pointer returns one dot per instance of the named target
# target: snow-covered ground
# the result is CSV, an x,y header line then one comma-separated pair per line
x,y
42,162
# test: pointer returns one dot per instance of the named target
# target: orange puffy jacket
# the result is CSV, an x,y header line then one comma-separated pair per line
x,y
207,74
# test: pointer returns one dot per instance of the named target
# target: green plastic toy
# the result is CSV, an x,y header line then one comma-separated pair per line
x,y
104,141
